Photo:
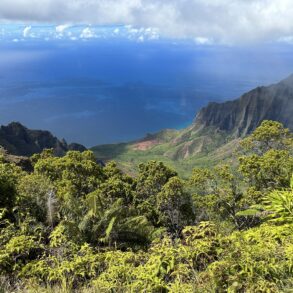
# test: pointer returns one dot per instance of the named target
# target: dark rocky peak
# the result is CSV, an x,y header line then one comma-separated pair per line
x,y
21,141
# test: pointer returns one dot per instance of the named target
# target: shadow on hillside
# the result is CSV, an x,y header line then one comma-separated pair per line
x,y
109,151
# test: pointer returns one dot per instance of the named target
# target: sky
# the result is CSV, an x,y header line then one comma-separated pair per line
x,y
221,21
97,71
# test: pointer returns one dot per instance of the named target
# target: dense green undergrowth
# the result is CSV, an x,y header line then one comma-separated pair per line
x,y
74,226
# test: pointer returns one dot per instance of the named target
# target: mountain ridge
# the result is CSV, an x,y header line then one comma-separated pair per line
x,y
18,140
214,127
241,116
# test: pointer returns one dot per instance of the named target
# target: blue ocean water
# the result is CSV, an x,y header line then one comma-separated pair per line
x,y
110,90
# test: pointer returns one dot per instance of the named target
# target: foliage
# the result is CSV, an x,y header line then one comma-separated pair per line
x,y
9,175
150,181
279,204
269,135
268,163
174,206
74,226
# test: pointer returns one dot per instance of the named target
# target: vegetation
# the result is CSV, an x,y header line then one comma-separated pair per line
x,y
178,149
72,225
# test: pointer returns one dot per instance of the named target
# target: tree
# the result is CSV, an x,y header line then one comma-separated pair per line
x,y
269,135
74,176
268,161
175,206
9,175
272,170
33,195
151,178
203,185
202,181
78,170
266,166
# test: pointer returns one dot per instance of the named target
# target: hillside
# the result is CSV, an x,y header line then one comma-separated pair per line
x,y
213,135
21,141
240,117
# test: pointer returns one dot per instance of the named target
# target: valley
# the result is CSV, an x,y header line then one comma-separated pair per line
x,y
212,137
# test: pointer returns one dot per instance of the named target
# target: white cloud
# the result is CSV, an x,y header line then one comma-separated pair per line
x,y
61,28
223,21
87,33
26,31
152,33
141,39
142,34
203,41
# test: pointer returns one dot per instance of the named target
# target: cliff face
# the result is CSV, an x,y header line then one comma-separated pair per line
x,y
21,141
240,117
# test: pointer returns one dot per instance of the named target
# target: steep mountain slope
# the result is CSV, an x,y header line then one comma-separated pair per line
x,y
242,116
214,134
21,141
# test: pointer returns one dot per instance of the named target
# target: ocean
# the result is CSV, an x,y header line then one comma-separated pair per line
x,y
113,90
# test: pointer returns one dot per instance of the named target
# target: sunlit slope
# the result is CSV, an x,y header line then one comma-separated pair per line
x,y
183,150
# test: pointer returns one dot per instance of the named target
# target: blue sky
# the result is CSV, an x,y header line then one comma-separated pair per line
x,y
107,71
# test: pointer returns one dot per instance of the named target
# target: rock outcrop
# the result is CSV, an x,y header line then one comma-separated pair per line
x,y
21,141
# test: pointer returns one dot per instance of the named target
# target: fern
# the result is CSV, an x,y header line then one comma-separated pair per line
x,y
280,204
108,230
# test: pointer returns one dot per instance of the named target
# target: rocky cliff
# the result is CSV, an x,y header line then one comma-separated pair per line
x,y
240,117
21,141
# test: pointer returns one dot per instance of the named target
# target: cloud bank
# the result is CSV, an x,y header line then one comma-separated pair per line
x,y
70,32
206,21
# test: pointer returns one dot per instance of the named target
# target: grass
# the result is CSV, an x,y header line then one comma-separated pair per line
x,y
216,149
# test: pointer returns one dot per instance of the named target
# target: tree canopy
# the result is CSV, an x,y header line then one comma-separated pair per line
x,y
72,225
